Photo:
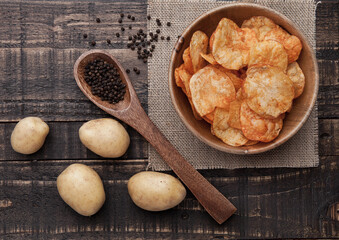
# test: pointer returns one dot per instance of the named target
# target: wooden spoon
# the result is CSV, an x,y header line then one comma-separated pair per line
x,y
131,112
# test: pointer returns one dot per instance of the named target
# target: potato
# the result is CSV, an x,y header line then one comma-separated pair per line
x,y
105,137
155,191
29,135
82,189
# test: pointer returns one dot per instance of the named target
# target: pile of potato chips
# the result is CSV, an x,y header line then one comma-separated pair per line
x,y
242,80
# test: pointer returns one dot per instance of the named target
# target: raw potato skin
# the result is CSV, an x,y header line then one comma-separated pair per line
x,y
82,189
154,191
105,137
29,135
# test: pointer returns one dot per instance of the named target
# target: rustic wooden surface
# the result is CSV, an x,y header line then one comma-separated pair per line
x,y
39,43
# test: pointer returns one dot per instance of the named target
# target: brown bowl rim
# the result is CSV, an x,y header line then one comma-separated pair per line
x,y
268,146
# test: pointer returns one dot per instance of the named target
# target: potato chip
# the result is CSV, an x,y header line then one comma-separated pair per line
x,y
249,37
222,130
251,143
185,77
257,128
237,82
178,79
198,44
260,25
229,47
234,116
211,41
211,88
195,113
297,76
240,95
268,53
268,91
209,117
209,58
186,56
291,43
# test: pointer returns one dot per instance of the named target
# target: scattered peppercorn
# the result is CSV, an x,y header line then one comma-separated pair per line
x,y
135,69
93,43
122,29
117,34
168,24
128,71
98,20
158,30
129,16
149,17
108,41
168,38
122,15
162,37
120,20
133,18
85,35
105,81
130,38
130,26
138,72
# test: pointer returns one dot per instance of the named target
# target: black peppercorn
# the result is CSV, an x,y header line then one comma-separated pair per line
x,y
133,18
105,81
108,41
149,17
93,43
117,34
122,15
98,20
120,20
129,16
85,35
168,24
168,38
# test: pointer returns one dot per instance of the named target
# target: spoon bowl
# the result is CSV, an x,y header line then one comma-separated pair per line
x,y
131,112
79,73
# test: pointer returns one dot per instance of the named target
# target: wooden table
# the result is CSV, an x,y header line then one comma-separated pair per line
x,y
39,43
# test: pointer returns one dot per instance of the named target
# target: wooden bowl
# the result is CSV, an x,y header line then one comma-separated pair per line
x,y
302,106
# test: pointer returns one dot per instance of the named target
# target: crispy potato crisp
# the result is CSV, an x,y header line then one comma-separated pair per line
x,y
209,58
260,25
268,90
186,56
211,88
268,53
234,118
222,130
229,47
257,128
291,43
297,76
198,44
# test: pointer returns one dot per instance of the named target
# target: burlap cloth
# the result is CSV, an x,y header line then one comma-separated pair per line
x,y
299,151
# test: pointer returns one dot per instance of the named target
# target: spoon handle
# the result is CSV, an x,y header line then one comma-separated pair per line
x,y
219,207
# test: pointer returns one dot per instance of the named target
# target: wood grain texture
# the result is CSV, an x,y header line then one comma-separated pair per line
x,y
39,42
299,195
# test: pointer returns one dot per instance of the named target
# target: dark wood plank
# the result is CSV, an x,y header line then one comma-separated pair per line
x,y
47,88
63,142
272,203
